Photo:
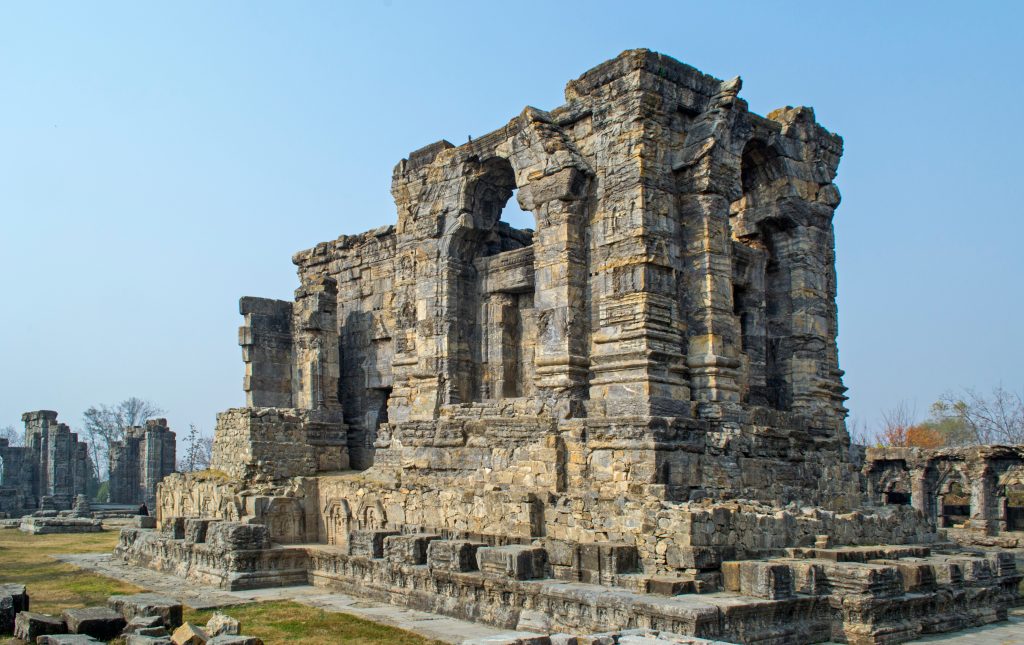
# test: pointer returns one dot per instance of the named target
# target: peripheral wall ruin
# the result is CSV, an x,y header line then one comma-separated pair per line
x,y
630,414
140,462
51,463
979,489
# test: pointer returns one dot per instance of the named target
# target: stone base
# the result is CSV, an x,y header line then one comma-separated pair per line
x,y
48,525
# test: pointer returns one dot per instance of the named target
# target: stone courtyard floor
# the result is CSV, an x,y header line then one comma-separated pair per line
x,y
426,624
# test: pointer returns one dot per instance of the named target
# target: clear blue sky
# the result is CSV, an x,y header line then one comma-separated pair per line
x,y
158,162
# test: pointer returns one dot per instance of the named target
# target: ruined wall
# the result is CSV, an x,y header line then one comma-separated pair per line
x,y
980,488
140,462
52,463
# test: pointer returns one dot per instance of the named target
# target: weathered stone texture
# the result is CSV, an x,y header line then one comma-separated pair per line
x,y
52,463
587,424
140,462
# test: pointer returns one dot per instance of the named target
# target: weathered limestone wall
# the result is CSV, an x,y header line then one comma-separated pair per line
x,y
141,461
268,444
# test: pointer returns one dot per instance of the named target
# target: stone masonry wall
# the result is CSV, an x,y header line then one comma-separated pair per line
x,y
140,462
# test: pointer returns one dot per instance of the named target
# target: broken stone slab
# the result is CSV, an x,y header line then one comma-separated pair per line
x,y
222,624
148,604
29,625
13,598
189,634
517,561
65,639
99,622
234,639
512,638
139,639
146,626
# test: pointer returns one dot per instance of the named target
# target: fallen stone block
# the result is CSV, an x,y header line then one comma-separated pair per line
x,y
516,561
148,604
29,625
189,634
66,639
669,586
452,555
234,639
222,624
99,622
138,623
13,598
139,639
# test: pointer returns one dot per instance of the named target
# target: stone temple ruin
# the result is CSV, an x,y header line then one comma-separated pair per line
x,y
629,416
53,465
140,462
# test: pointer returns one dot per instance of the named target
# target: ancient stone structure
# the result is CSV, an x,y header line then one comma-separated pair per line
x,y
586,426
52,463
140,462
978,489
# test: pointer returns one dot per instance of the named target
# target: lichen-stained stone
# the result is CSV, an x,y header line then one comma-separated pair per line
x,y
13,599
222,624
168,610
29,625
516,561
99,622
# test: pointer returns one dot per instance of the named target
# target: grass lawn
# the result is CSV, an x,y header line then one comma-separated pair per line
x,y
54,586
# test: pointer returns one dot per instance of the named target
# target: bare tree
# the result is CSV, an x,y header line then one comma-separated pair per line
x,y
106,424
896,421
13,436
198,451
994,418
859,433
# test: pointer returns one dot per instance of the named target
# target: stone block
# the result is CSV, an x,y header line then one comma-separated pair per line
x,y
167,609
141,625
237,536
516,561
66,639
452,555
600,562
769,580
28,625
195,529
368,544
13,599
234,639
408,549
189,634
222,624
99,622
173,528
697,557
141,639
669,586
143,522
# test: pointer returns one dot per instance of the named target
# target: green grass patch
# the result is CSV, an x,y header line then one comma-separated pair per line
x,y
54,586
